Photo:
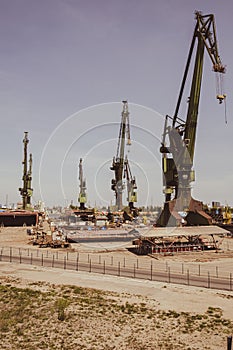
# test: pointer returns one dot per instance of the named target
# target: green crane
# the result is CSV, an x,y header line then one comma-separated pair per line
x,y
178,152
26,191
82,198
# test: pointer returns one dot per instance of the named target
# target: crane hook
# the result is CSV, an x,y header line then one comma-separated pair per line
x,y
221,98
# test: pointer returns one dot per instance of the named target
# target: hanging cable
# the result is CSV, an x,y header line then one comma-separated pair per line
x,y
219,88
225,107
219,92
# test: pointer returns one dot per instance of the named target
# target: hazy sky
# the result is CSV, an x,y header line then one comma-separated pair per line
x,y
66,65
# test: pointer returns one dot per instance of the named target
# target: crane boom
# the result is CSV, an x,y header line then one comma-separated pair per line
x,y
205,35
178,156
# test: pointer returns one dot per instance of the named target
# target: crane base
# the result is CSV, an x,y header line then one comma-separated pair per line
x,y
172,214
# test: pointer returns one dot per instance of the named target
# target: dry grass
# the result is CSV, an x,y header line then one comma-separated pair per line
x,y
45,316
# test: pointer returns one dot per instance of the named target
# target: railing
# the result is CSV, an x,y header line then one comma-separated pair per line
x,y
132,268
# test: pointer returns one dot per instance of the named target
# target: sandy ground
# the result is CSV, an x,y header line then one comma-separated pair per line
x,y
167,296
155,295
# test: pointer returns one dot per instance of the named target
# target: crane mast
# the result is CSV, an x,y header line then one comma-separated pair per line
x,y
177,157
82,198
119,160
26,191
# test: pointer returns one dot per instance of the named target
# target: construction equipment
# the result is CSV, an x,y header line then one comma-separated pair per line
x,y
177,157
56,239
118,162
84,213
120,166
82,198
26,191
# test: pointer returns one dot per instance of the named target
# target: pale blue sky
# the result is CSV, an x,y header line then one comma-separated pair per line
x,y
59,57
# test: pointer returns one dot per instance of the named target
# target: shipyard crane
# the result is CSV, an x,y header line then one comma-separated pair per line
x,y
119,161
82,198
178,142
84,213
26,191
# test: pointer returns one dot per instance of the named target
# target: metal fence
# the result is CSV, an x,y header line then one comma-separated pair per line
x,y
122,268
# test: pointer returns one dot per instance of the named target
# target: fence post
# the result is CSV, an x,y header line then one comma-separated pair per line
x,y
90,265
77,259
188,277
208,279
182,268
137,263
64,262
99,259
119,268
229,342
42,259
151,271
169,275
104,267
124,261
216,271
20,258
31,259
230,281
10,254
67,255
134,271
53,261
1,255
111,260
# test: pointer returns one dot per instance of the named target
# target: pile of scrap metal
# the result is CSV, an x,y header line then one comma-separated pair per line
x,y
56,239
